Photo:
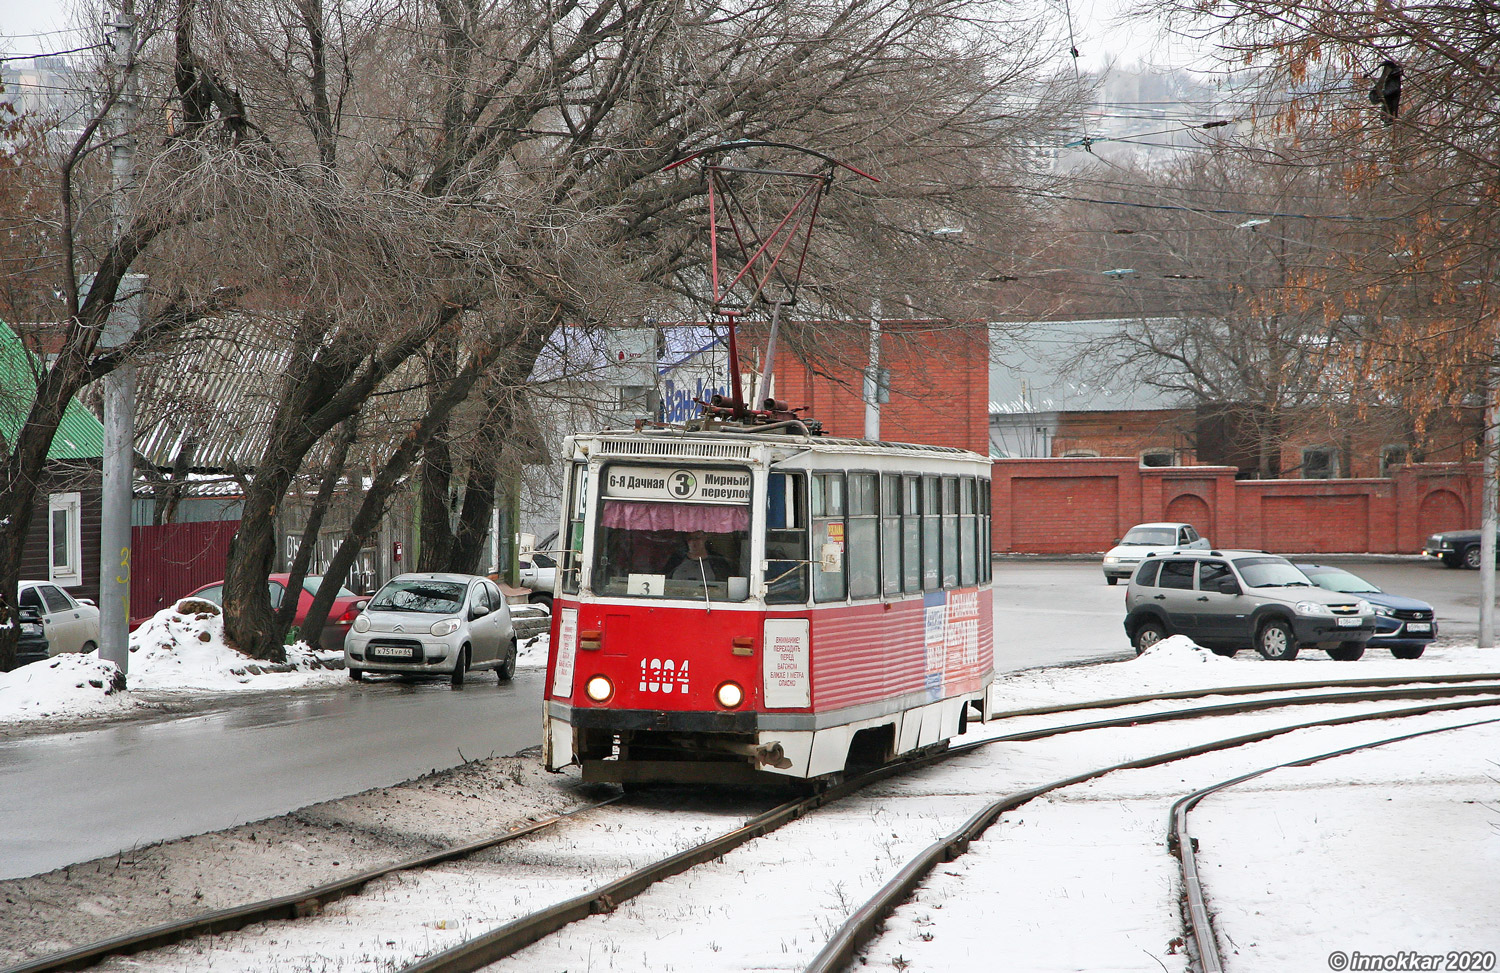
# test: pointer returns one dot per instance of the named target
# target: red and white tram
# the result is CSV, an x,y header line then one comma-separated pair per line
x,y
735,603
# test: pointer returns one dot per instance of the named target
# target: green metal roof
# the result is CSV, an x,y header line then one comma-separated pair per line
x,y
80,435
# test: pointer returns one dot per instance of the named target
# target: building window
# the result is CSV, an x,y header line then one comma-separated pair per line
x,y
1159,457
1392,457
637,399
64,540
1320,463
1081,454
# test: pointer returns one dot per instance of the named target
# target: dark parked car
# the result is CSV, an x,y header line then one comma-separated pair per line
x,y
1456,548
1404,625
32,646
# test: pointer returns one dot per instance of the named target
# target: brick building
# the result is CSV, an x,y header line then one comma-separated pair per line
x,y
936,375
1050,398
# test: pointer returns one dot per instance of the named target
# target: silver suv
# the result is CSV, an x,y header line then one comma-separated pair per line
x,y
1232,600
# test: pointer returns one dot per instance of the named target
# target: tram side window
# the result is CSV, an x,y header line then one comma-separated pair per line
x,y
786,540
862,552
968,572
931,525
572,558
890,534
911,533
828,536
950,532
985,565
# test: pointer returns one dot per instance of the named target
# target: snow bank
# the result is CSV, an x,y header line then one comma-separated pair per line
x,y
533,654
68,685
1178,650
181,648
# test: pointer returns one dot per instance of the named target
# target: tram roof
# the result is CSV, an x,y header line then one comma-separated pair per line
x,y
774,439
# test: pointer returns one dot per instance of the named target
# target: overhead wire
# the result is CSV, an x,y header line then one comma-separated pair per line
x,y
32,57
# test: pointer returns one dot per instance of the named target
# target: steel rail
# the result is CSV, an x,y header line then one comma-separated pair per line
x,y
509,938
1369,681
295,906
863,923
1247,706
1185,847
476,953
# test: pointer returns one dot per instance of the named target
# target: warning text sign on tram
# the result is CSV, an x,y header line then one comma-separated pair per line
x,y
666,483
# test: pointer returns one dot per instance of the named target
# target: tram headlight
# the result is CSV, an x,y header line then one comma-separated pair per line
x,y
361,624
445,627
729,694
599,688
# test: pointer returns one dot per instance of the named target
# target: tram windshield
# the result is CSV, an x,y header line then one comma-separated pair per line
x,y
654,547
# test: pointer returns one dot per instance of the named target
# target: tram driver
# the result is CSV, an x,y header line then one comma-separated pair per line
x,y
695,562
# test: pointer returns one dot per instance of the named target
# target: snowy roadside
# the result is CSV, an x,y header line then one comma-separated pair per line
x,y
1057,865
178,655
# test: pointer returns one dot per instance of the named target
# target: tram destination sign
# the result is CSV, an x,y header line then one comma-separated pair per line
x,y
668,483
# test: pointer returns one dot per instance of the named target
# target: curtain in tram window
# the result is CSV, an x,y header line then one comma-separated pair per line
x,y
655,515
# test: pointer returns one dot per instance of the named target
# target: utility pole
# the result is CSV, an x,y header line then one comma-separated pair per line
x,y
1490,499
119,385
872,377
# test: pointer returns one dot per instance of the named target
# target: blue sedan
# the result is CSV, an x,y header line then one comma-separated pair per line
x,y
1404,625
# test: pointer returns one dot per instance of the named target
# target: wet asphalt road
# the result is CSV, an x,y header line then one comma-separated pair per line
x,y
1050,611
72,797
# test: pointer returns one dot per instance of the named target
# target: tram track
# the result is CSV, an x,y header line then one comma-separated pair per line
x,y
843,946
518,933
1199,920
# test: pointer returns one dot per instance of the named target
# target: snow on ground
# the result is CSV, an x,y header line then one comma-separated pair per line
x,y
1373,853
178,650
1380,852
533,654
1176,663
174,651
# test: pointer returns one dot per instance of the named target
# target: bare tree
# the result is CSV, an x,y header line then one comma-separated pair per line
x,y
519,162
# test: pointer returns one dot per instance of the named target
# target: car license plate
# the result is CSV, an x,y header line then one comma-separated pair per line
x,y
1419,626
30,628
1350,622
392,651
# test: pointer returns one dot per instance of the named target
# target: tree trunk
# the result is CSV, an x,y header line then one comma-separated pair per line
x,y
366,521
287,613
249,622
474,518
484,464
436,528
322,391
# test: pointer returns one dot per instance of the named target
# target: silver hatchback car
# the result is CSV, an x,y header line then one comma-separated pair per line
x,y
433,625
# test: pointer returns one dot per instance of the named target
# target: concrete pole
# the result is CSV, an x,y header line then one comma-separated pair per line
x,y
119,385
1488,515
872,377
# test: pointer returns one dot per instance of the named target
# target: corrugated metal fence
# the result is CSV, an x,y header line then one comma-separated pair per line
x,y
171,560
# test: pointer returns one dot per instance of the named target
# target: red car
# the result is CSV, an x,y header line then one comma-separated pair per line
x,y
345,607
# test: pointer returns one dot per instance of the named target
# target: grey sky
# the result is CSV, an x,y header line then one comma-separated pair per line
x,y
1098,33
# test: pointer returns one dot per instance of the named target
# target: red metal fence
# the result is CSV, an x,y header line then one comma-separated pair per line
x,y
169,561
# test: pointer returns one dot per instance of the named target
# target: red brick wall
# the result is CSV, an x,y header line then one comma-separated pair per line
x,y
1063,506
939,383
